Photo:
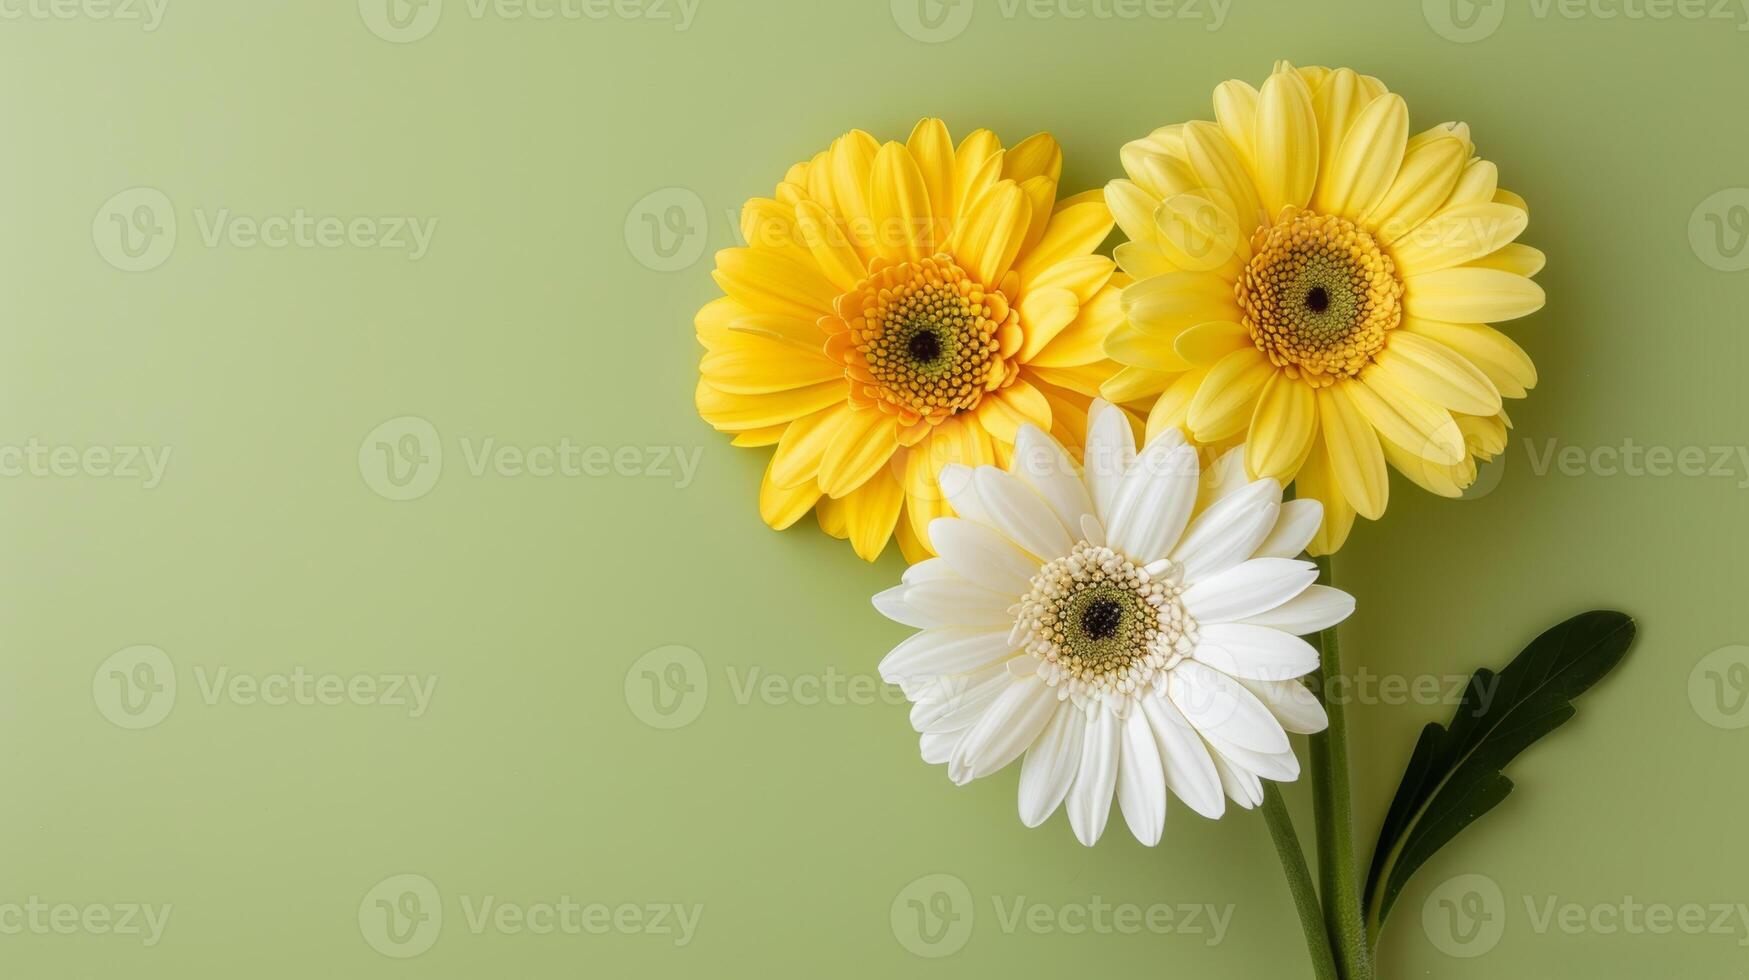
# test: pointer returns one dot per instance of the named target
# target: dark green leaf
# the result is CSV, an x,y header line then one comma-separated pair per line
x,y
1455,773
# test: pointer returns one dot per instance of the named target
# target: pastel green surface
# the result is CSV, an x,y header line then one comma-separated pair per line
x,y
795,818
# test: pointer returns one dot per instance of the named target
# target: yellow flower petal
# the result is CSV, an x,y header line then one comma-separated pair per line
x,y
1002,412
1198,234
1073,231
1470,295
756,366
1206,343
1516,258
1317,482
1224,402
1044,313
871,513
1173,302
1406,418
1083,340
1133,208
755,438
1287,143
1172,409
977,165
1282,428
782,506
1236,109
1504,362
1037,155
1219,168
1430,170
1368,161
804,444
852,161
991,236
932,149
865,440
830,246
1357,464
1455,236
774,282
1439,374
1133,384
738,413
899,206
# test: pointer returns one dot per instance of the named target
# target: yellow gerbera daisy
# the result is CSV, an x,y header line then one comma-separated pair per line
x,y
1314,281
903,306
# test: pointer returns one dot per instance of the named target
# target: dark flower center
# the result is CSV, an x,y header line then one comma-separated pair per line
x,y
1318,300
924,346
1101,618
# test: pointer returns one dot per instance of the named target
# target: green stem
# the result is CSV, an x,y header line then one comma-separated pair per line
x,y
1299,881
1332,805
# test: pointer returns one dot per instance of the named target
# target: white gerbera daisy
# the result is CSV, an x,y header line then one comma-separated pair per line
x,y
1130,628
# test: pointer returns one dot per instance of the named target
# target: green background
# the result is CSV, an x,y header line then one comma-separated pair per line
x,y
537,317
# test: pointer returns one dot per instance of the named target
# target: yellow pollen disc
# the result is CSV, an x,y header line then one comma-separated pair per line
x,y
1319,295
925,339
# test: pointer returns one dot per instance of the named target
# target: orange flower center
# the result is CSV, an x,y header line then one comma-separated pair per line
x,y
1319,295
923,340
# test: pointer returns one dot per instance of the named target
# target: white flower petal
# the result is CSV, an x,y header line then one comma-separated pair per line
x,y
1111,447
1254,652
1007,728
1246,589
1043,465
1190,772
1154,501
938,748
1282,767
983,556
891,604
1294,529
1319,607
959,485
1295,707
956,602
927,569
1089,800
1022,515
1229,531
1141,782
1243,786
944,650
955,703
1051,764
1218,706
